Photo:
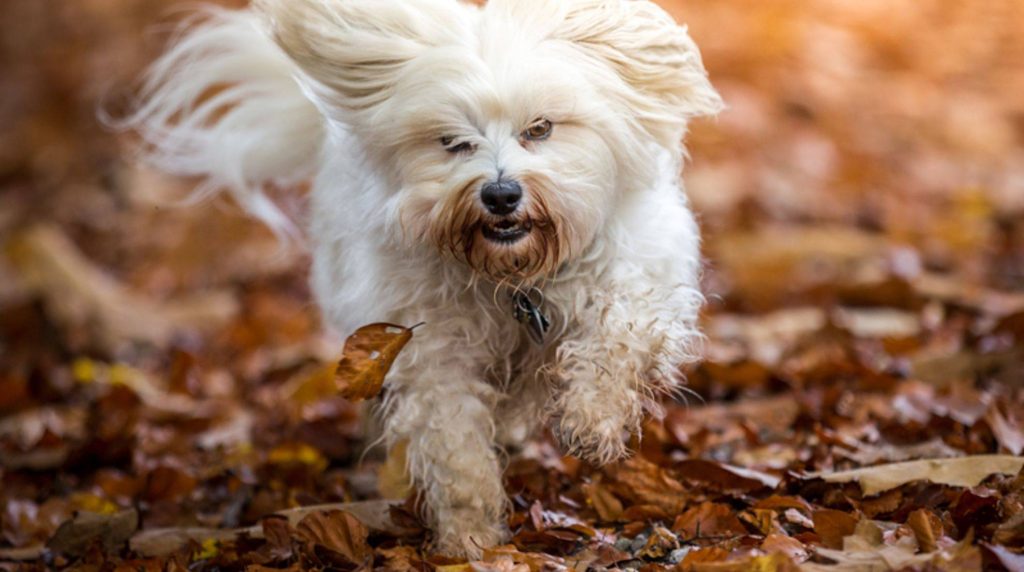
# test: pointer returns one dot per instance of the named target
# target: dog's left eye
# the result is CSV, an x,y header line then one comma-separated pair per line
x,y
538,131
449,145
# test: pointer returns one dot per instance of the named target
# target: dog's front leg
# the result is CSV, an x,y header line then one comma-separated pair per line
x,y
444,413
624,350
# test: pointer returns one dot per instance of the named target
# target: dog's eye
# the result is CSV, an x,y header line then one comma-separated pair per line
x,y
538,131
449,144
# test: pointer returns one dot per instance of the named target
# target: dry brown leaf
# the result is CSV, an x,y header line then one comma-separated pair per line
x,y
867,550
725,476
927,529
165,541
642,482
659,544
765,521
368,356
509,558
791,547
400,559
111,530
339,532
608,507
833,525
869,454
777,502
776,562
695,558
1006,431
709,520
958,472
884,503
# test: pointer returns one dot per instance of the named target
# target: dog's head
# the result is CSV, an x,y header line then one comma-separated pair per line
x,y
508,130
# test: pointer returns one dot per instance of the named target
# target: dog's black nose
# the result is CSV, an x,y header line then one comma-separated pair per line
x,y
501,197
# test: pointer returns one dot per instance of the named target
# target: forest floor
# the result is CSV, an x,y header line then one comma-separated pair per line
x,y
167,398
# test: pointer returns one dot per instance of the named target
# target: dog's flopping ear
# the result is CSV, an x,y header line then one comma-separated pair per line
x,y
356,49
654,56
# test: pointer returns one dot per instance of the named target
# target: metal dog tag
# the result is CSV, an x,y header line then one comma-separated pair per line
x,y
528,313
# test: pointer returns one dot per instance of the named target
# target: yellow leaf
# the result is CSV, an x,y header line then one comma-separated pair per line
x,y
92,503
208,550
83,370
368,355
300,453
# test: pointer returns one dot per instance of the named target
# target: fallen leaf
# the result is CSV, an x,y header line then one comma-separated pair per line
x,y
783,502
765,521
884,503
641,482
927,529
526,561
278,534
75,536
1007,431
833,526
775,562
709,520
864,550
868,454
164,541
660,542
160,542
608,508
957,472
1011,561
400,559
696,558
975,507
338,532
720,475
791,547
368,356
298,454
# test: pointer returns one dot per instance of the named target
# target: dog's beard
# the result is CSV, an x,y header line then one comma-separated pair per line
x,y
535,249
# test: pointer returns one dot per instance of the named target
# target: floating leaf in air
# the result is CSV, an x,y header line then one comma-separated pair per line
x,y
368,355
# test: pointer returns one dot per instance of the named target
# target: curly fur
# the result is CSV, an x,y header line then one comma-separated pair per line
x,y
360,94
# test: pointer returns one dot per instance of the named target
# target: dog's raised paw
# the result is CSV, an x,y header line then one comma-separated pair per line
x,y
598,443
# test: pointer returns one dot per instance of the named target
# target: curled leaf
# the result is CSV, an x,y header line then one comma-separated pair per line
x,y
368,356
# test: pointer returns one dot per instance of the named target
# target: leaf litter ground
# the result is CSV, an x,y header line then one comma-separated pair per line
x,y
168,402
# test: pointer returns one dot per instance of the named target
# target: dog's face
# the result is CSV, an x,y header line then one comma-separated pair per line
x,y
509,130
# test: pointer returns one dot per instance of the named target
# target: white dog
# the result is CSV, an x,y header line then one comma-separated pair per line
x,y
508,175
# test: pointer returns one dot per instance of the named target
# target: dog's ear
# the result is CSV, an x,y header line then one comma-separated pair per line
x,y
655,57
357,48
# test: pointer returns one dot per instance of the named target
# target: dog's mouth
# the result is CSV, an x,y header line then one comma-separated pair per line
x,y
506,231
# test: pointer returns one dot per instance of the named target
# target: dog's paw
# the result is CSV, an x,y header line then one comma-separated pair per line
x,y
467,533
599,442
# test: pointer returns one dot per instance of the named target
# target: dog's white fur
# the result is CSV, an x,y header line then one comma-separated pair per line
x,y
357,95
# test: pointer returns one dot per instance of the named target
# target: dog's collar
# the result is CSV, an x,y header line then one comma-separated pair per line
x,y
526,308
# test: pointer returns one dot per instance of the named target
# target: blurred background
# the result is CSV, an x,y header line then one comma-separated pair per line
x,y
866,181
